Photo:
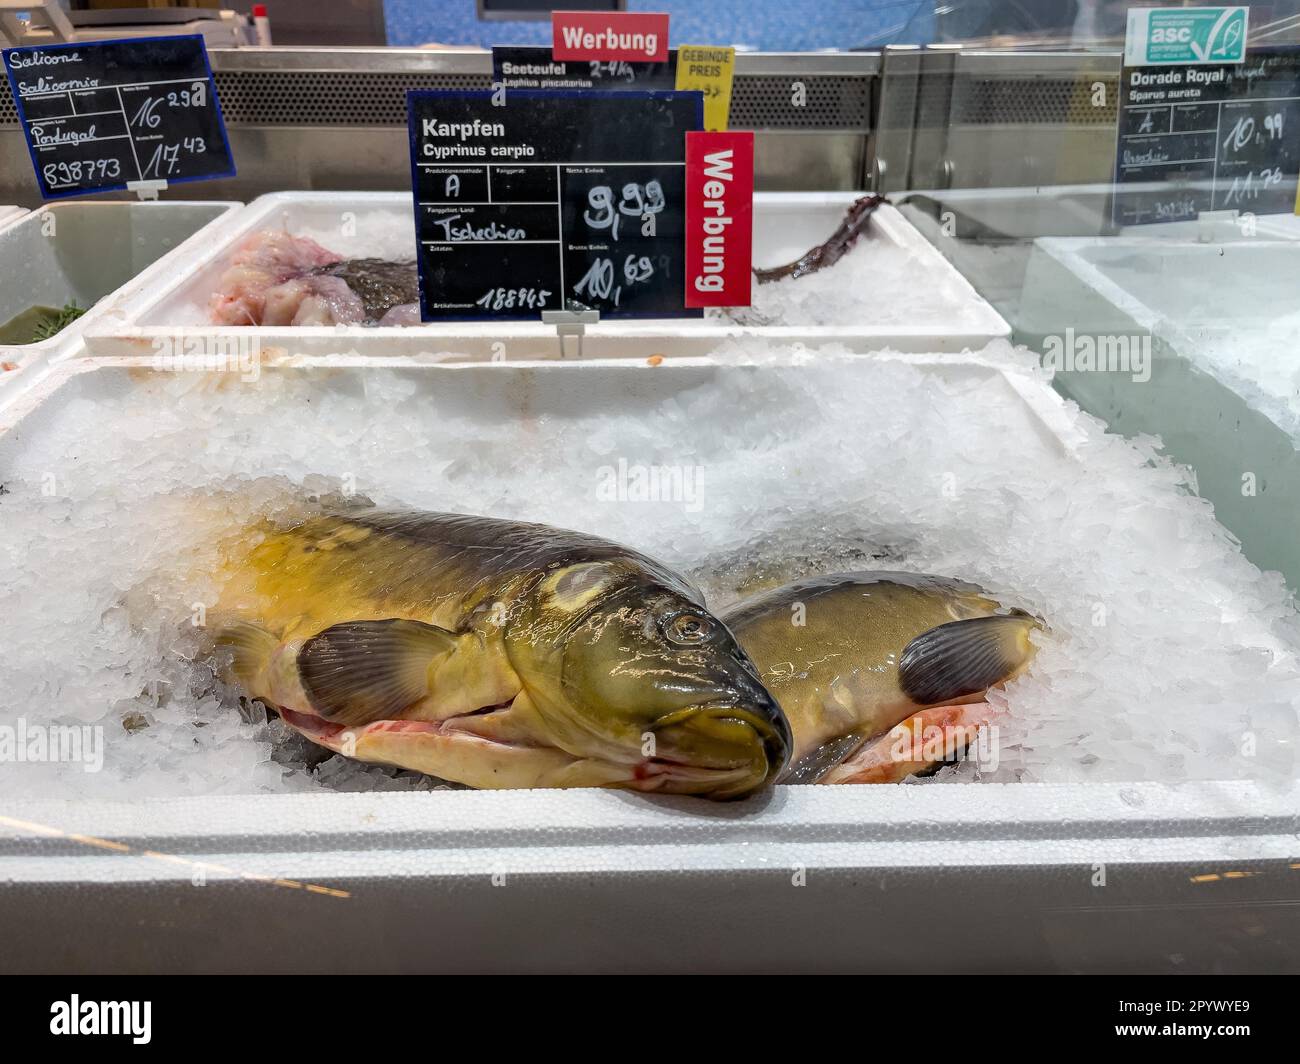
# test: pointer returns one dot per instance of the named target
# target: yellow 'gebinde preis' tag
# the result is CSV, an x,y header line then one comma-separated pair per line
x,y
708,69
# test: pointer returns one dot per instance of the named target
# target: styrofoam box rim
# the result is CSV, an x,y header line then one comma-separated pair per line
x,y
1068,253
10,213
1048,410
584,832
124,335
134,292
587,832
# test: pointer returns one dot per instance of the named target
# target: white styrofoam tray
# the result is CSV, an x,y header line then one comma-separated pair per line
x,y
1026,876
785,226
10,214
1183,290
108,255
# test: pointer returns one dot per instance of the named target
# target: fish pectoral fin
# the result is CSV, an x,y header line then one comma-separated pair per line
x,y
816,763
917,746
253,648
363,671
965,657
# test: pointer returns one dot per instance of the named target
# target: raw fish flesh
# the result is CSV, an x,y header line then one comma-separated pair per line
x,y
279,279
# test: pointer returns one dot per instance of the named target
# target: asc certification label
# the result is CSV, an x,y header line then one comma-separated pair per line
x,y
1173,36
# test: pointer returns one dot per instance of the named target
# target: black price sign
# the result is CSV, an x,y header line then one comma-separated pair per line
x,y
1207,138
534,68
550,201
103,115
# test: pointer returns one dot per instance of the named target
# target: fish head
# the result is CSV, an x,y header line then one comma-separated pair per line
x,y
636,671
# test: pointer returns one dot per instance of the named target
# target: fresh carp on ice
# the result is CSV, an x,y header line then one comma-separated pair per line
x,y
496,654
851,655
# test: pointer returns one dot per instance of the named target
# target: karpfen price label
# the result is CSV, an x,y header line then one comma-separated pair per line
x,y
99,116
531,200
1208,138
536,68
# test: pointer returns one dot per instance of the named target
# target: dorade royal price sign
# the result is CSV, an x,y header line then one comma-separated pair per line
x,y
719,218
610,35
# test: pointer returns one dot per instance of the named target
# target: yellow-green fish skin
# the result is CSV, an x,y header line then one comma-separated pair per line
x,y
538,656
829,647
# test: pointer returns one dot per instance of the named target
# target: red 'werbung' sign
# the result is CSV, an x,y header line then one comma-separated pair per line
x,y
633,35
719,218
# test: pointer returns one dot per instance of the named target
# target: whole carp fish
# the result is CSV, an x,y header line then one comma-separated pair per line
x,y
852,655
495,654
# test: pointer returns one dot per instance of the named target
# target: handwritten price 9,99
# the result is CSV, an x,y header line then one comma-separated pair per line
x,y
81,172
637,202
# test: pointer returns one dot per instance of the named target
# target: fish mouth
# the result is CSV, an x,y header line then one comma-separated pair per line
x,y
721,751
727,748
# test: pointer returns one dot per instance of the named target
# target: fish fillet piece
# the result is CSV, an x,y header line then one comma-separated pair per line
x,y
279,279
313,300
402,314
262,262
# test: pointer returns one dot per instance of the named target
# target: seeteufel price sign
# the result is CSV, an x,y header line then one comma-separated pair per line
x,y
100,116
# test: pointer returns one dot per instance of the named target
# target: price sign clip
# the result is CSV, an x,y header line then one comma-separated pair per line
x,y
570,324
146,190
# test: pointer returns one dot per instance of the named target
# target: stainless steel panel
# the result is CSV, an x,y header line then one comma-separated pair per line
x,y
910,118
286,109
891,160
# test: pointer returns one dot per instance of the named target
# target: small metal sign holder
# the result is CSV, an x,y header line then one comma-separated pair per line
x,y
570,323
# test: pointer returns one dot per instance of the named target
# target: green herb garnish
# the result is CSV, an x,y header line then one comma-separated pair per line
x,y
53,324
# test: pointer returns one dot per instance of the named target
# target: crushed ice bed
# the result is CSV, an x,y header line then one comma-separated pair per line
x,y
1169,656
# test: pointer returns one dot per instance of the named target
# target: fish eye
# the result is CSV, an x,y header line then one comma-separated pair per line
x,y
688,629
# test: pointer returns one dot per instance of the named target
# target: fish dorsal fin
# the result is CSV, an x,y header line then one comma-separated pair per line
x,y
965,657
363,671
816,763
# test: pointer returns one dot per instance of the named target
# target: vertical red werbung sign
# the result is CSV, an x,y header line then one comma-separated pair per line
x,y
719,218
637,36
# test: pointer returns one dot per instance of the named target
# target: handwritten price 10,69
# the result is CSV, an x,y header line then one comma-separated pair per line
x,y
638,201
598,282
